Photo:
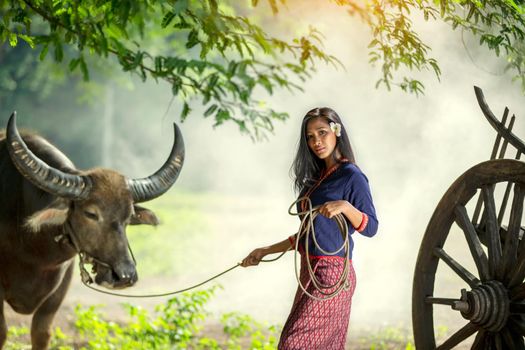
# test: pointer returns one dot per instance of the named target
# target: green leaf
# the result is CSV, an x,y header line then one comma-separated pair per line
x,y
193,39
27,39
185,111
210,110
59,51
443,7
221,116
43,53
263,43
265,82
273,5
513,4
232,66
3,33
214,78
84,69
167,19
13,39
73,64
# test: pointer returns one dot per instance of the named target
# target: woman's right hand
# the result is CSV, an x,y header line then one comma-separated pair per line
x,y
254,258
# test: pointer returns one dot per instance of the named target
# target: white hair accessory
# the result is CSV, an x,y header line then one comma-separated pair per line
x,y
336,128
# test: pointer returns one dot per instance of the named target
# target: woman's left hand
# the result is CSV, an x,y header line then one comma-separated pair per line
x,y
331,209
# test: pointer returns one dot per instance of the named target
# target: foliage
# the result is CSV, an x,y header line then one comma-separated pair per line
x,y
206,51
175,325
238,326
224,59
498,24
394,42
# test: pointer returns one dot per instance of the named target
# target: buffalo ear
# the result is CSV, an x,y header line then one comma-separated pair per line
x,y
54,215
143,216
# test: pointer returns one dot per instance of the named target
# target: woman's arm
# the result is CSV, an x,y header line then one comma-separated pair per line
x,y
258,254
333,208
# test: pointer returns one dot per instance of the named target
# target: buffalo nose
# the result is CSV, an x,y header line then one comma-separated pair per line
x,y
127,274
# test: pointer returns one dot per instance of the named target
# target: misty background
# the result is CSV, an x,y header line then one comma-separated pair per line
x,y
410,148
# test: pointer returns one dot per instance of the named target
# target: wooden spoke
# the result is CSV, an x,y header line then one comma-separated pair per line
x,y
512,340
498,136
518,274
517,293
498,342
506,142
474,244
517,307
517,325
504,202
492,227
457,267
482,340
458,337
510,254
477,210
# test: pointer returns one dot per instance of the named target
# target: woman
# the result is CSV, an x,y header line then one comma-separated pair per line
x,y
326,173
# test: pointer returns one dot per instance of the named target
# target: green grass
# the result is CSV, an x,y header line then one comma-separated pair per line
x,y
388,338
185,221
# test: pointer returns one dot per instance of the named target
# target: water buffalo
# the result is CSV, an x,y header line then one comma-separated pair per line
x,y
50,211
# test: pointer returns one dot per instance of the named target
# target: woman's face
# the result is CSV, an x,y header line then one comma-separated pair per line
x,y
320,137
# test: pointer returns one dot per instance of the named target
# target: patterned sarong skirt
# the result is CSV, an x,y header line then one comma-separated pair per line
x,y
319,325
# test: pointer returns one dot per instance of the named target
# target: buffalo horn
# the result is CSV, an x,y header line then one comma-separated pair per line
x,y
155,185
39,173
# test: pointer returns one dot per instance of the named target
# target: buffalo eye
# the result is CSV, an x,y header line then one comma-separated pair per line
x,y
91,215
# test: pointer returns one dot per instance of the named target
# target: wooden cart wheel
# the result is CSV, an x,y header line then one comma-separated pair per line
x,y
493,304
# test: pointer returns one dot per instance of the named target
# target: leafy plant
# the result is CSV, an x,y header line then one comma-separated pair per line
x,y
175,325
238,326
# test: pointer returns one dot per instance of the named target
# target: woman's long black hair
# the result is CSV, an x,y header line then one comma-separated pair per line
x,y
307,167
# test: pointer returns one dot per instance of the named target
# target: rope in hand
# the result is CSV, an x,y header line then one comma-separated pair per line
x,y
306,229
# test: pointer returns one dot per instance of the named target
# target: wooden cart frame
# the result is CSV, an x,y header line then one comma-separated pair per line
x,y
493,305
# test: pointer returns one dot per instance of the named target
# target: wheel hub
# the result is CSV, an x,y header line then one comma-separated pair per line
x,y
486,305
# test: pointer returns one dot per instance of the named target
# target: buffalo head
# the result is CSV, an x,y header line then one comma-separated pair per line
x,y
92,208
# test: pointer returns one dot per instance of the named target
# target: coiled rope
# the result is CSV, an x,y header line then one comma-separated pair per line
x,y
306,230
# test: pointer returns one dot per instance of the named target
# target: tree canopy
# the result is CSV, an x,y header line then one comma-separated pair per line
x,y
206,51
498,24
224,57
